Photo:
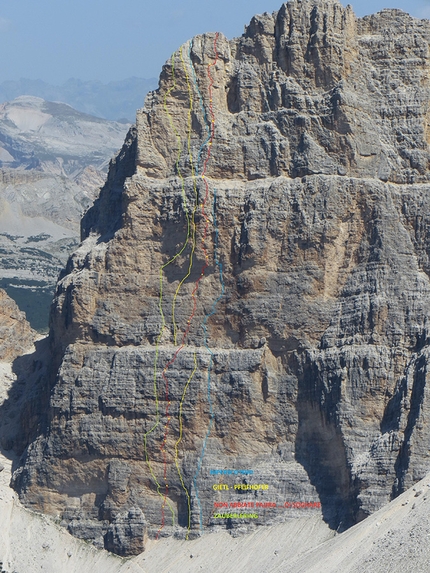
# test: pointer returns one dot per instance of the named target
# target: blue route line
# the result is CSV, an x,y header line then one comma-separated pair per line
x,y
205,330
213,308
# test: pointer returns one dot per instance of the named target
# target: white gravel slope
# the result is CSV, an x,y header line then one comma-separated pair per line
x,y
395,539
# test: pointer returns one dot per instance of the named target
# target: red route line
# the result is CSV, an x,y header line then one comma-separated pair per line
x,y
196,286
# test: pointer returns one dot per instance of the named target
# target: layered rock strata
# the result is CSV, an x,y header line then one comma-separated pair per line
x,y
16,335
53,162
250,303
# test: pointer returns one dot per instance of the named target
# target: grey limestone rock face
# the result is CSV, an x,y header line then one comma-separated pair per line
x,y
126,534
16,335
252,293
53,162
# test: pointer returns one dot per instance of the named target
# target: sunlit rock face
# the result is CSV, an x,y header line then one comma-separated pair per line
x,y
16,335
250,303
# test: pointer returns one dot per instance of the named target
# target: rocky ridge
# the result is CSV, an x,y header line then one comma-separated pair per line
x,y
393,539
53,161
252,290
16,335
116,100
55,138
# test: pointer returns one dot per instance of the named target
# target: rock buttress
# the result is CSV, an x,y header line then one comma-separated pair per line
x,y
252,292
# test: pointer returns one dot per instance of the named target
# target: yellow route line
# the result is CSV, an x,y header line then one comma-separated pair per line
x,y
179,440
160,301
190,265
193,223
193,295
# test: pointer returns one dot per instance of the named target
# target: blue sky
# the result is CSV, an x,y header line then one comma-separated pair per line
x,y
106,40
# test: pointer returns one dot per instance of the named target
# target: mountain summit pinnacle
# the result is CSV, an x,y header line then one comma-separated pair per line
x,y
244,327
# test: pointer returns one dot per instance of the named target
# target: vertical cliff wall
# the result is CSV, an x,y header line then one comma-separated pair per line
x,y
249,306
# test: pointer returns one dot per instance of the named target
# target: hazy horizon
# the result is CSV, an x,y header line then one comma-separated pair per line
x,y
54,40
115,100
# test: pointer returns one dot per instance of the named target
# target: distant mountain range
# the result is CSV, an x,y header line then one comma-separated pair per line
x,y
53,161
55,138
115,100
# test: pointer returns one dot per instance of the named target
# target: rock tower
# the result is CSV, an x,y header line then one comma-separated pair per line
x,y
250,303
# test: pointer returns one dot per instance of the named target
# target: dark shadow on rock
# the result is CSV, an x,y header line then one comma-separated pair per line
x,y
105,216
417,398
391,421
320,449
391,418
24,412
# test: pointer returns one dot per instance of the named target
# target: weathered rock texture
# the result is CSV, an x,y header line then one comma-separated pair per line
x,y
289,333
54,138
16,335
53,162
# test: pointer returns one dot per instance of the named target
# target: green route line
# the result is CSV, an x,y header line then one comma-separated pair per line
x,y
160,301
180,439
210,126
186,276
190,238
193,247
206,256
193,223
191,234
